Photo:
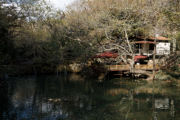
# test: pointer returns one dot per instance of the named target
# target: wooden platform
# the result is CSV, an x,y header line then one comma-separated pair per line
x,y
127,67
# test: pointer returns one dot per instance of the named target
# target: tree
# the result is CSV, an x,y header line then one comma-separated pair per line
x,y
9,23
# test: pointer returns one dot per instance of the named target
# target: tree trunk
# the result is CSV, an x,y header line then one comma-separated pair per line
x,y
154,60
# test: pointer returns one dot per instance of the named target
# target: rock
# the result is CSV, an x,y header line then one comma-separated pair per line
x,y
75,77
75,67
101,76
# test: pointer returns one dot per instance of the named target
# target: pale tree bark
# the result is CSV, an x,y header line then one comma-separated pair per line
x,y
124,49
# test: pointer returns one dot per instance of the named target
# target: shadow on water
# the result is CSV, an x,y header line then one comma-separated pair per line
x,y
73,97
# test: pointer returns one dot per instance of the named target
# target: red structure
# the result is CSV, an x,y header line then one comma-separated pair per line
x,y
138,57
107,55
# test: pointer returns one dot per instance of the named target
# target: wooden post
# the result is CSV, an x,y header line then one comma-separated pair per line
x,y
154,58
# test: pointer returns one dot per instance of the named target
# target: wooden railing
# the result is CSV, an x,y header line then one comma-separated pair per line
x,y
127,67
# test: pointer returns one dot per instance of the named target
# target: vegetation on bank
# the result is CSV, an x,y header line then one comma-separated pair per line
x,y
169,74
34,34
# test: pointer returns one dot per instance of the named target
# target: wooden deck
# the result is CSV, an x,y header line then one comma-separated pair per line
x,y
127,67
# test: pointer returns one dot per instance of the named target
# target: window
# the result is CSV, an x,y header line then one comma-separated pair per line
x,y
151,46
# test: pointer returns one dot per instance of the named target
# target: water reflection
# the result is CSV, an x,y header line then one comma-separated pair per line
x,y
76,98
4,101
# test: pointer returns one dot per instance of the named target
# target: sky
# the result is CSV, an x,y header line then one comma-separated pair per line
x,y
60,4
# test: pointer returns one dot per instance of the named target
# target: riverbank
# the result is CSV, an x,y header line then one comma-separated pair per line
x,y
93,70
88,69
173,74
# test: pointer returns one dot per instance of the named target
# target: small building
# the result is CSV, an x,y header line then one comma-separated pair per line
x,y
145,46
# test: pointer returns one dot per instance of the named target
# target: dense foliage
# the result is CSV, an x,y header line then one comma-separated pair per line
x,y
37,34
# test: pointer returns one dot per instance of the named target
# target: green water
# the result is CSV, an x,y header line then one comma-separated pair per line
x,y
77,98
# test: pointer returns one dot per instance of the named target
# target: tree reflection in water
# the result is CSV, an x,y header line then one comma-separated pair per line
x,y
4,103
77,98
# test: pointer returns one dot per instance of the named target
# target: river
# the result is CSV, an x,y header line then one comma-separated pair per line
x,y
77,98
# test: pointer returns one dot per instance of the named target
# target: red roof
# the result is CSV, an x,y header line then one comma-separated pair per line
x,y
144,42
157,38
107,55
137,57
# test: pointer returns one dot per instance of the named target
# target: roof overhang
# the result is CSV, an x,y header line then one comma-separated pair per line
x,y
160,38
143,42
